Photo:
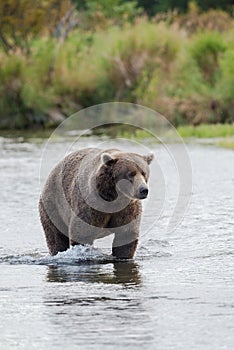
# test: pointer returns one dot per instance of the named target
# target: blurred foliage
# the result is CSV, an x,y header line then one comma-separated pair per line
x,y
114,9
23,20
196,20
61,56
152,7
100,14
206,50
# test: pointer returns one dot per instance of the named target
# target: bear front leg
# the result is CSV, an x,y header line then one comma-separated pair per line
x,y
125,251
126,226
124,245
80,232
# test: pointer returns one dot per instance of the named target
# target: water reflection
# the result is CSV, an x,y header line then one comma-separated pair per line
x,y
126,273
100,304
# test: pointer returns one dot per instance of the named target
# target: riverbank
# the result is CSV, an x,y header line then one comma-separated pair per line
x,y
207,131
217,134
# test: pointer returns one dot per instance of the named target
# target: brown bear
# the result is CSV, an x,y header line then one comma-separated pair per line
x,y
93,193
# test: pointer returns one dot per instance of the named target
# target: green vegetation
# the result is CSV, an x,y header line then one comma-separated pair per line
x,y
89,52
227,144
152,7
207,131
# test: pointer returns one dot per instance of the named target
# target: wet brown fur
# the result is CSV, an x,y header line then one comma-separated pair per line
x,y
64,212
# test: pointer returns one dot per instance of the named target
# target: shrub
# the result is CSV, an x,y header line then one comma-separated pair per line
x,y
37,77
135,55
11,103
196,21
206,49
225,86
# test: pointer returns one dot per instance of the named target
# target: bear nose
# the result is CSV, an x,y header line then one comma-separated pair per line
x,y
143,192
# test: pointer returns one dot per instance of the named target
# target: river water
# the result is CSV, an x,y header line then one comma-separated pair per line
x,y
178,292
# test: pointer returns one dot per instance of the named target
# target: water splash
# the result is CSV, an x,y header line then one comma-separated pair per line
x,y
73,256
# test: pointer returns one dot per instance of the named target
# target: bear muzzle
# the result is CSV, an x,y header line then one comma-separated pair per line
x,y
143,192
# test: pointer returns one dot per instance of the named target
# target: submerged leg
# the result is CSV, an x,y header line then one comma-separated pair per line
x,y
55,239
124,247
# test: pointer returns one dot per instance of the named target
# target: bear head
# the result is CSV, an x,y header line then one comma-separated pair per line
x,y
124,174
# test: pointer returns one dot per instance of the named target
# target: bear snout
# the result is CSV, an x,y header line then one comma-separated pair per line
x,y
143,192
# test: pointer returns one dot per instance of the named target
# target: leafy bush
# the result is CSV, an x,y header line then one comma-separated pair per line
x,y
226,82
196,21
225,86
10,89
206,49
37,89
133,57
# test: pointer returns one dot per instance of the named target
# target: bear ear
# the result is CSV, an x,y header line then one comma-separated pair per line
x,y
108,159
149,158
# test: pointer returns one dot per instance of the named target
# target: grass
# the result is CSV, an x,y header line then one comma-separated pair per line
x,y
221,134
227,143
207,131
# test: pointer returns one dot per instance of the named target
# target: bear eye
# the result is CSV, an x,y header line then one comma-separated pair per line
x,y
132,174
143,173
